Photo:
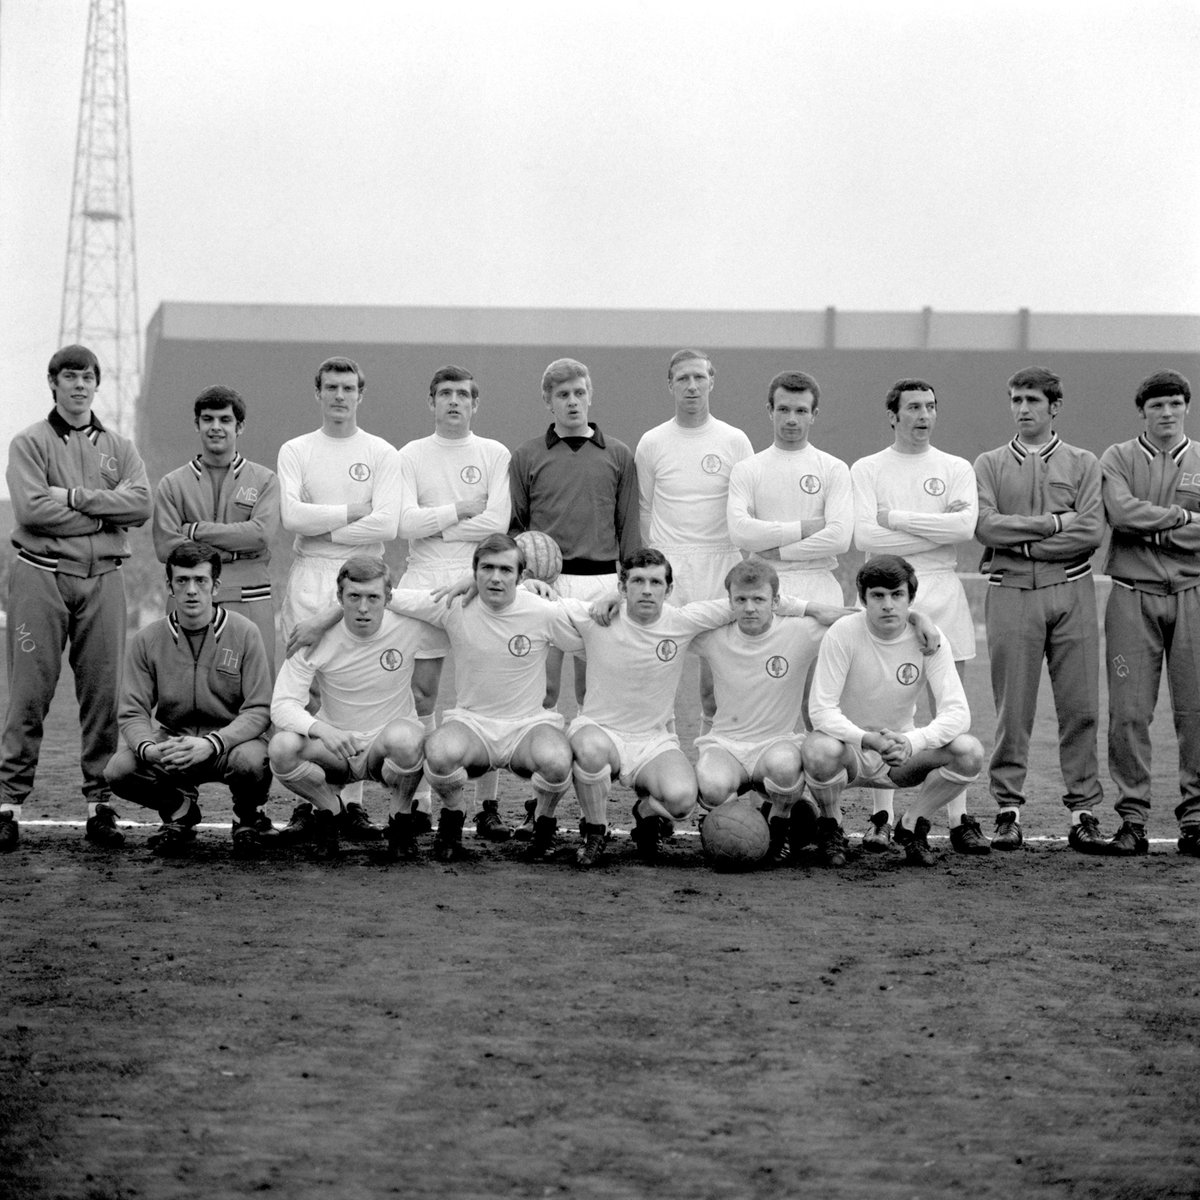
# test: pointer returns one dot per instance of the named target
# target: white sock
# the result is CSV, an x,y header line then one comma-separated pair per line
x,y
885,802
1015,814
15,809
424,795
828,793
940,789
308,782
591,789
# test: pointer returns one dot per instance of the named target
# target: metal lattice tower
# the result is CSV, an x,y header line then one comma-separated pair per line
x,y
100,305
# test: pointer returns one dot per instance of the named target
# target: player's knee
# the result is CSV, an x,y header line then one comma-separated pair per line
x,y
284,752
401,742
444,751
591,749
821,755
552,759
967,755
248,762
117,770
781,765
678,796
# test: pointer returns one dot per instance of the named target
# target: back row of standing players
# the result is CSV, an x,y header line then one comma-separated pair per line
x,y
696,492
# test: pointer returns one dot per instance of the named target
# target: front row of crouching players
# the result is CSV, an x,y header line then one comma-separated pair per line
x,y
869,677
195,706
366,726
759,667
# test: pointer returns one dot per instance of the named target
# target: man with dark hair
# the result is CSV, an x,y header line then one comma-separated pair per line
x,y
339,494
579,485
915,500
454,493
228,502
683,471
76,488
366,726
1151,490
195,706
869,677
1040,519
792,503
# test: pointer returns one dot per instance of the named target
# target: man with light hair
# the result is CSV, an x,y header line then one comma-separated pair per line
x,y
454,493
366,726
340,495
683,468
579,485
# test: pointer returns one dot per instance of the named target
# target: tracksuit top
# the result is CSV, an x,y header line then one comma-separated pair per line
x,y
1148,496
107,493
223,694
1023,490
239,524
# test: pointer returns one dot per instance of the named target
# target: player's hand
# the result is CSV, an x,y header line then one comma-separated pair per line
x,y
1068,518
464,587
896,747
184,753
929,636
539,587
957,506
881,517
307,633
466,509
337,741
826,614
356,512
810,526
605,610
57,494
769,555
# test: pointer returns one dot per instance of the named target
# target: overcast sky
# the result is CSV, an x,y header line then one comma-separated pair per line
x,y
969,156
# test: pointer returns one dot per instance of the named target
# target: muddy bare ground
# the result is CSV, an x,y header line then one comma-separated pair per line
x,y
1021,1025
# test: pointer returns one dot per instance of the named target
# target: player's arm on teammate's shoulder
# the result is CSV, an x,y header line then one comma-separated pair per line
x,y
312,629
929,636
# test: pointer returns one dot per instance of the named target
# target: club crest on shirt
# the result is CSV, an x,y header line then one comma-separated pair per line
x,y
470,474
777,666
810,484
666,649
519,645
711,464
935,487
228,662
908,674
359,472
247,497
391,660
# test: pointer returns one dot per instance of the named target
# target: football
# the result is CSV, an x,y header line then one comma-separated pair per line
x,y
735,836
543,558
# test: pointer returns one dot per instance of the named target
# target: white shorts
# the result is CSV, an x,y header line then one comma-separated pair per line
x,y
941,597
746,754
358,764
586,587
426,579
699,574
872,771
311,590
501,737
821,586
633,752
